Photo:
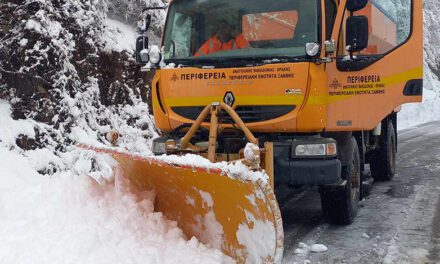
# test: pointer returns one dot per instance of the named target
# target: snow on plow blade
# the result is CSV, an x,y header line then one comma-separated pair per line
x,y
239,217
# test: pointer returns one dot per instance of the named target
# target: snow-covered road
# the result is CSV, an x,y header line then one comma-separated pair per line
x,y
399,222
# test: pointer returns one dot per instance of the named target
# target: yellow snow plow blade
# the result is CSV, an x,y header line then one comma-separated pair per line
x,y
239,217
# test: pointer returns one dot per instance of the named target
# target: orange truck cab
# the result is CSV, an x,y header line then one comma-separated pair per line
x,y
321,80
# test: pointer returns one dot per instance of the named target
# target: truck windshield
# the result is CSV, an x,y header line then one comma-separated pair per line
x,y
210,30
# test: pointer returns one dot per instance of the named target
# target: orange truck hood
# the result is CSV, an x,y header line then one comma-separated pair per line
x,y
263,86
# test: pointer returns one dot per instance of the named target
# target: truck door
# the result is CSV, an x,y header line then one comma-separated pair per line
x,y
369,85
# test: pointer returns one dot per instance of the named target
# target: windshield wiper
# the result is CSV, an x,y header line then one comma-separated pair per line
x,y
174,47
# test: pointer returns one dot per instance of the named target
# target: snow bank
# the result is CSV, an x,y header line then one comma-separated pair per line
x,y
82,214
69,218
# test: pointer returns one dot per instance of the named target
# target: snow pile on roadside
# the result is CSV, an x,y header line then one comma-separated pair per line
x,y
71,217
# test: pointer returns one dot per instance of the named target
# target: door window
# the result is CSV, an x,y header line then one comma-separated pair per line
x,y
389,26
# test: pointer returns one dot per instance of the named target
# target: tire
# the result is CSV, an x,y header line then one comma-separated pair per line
x,y
340,205
383,160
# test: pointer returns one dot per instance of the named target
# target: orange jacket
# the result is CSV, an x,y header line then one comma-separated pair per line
x,y
213,45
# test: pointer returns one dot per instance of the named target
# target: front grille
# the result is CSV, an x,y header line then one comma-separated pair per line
x,y
249,114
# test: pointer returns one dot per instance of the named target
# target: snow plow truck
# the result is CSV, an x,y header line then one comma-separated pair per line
x,y
272,93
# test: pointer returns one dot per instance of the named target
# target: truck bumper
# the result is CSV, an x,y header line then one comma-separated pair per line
x,y
291,171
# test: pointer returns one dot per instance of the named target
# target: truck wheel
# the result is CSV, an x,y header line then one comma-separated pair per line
x,y
340,205
383,160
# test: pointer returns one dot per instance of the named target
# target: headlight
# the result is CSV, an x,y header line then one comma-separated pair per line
x,y
305,150
144,56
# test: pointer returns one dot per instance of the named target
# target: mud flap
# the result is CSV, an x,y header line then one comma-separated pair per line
x,y
239,217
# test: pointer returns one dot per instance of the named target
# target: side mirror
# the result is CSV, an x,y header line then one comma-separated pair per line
x,y
357,33
142,56
146,22
355,5
143,51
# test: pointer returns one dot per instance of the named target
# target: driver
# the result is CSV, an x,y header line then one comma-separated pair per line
x,y
225,39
